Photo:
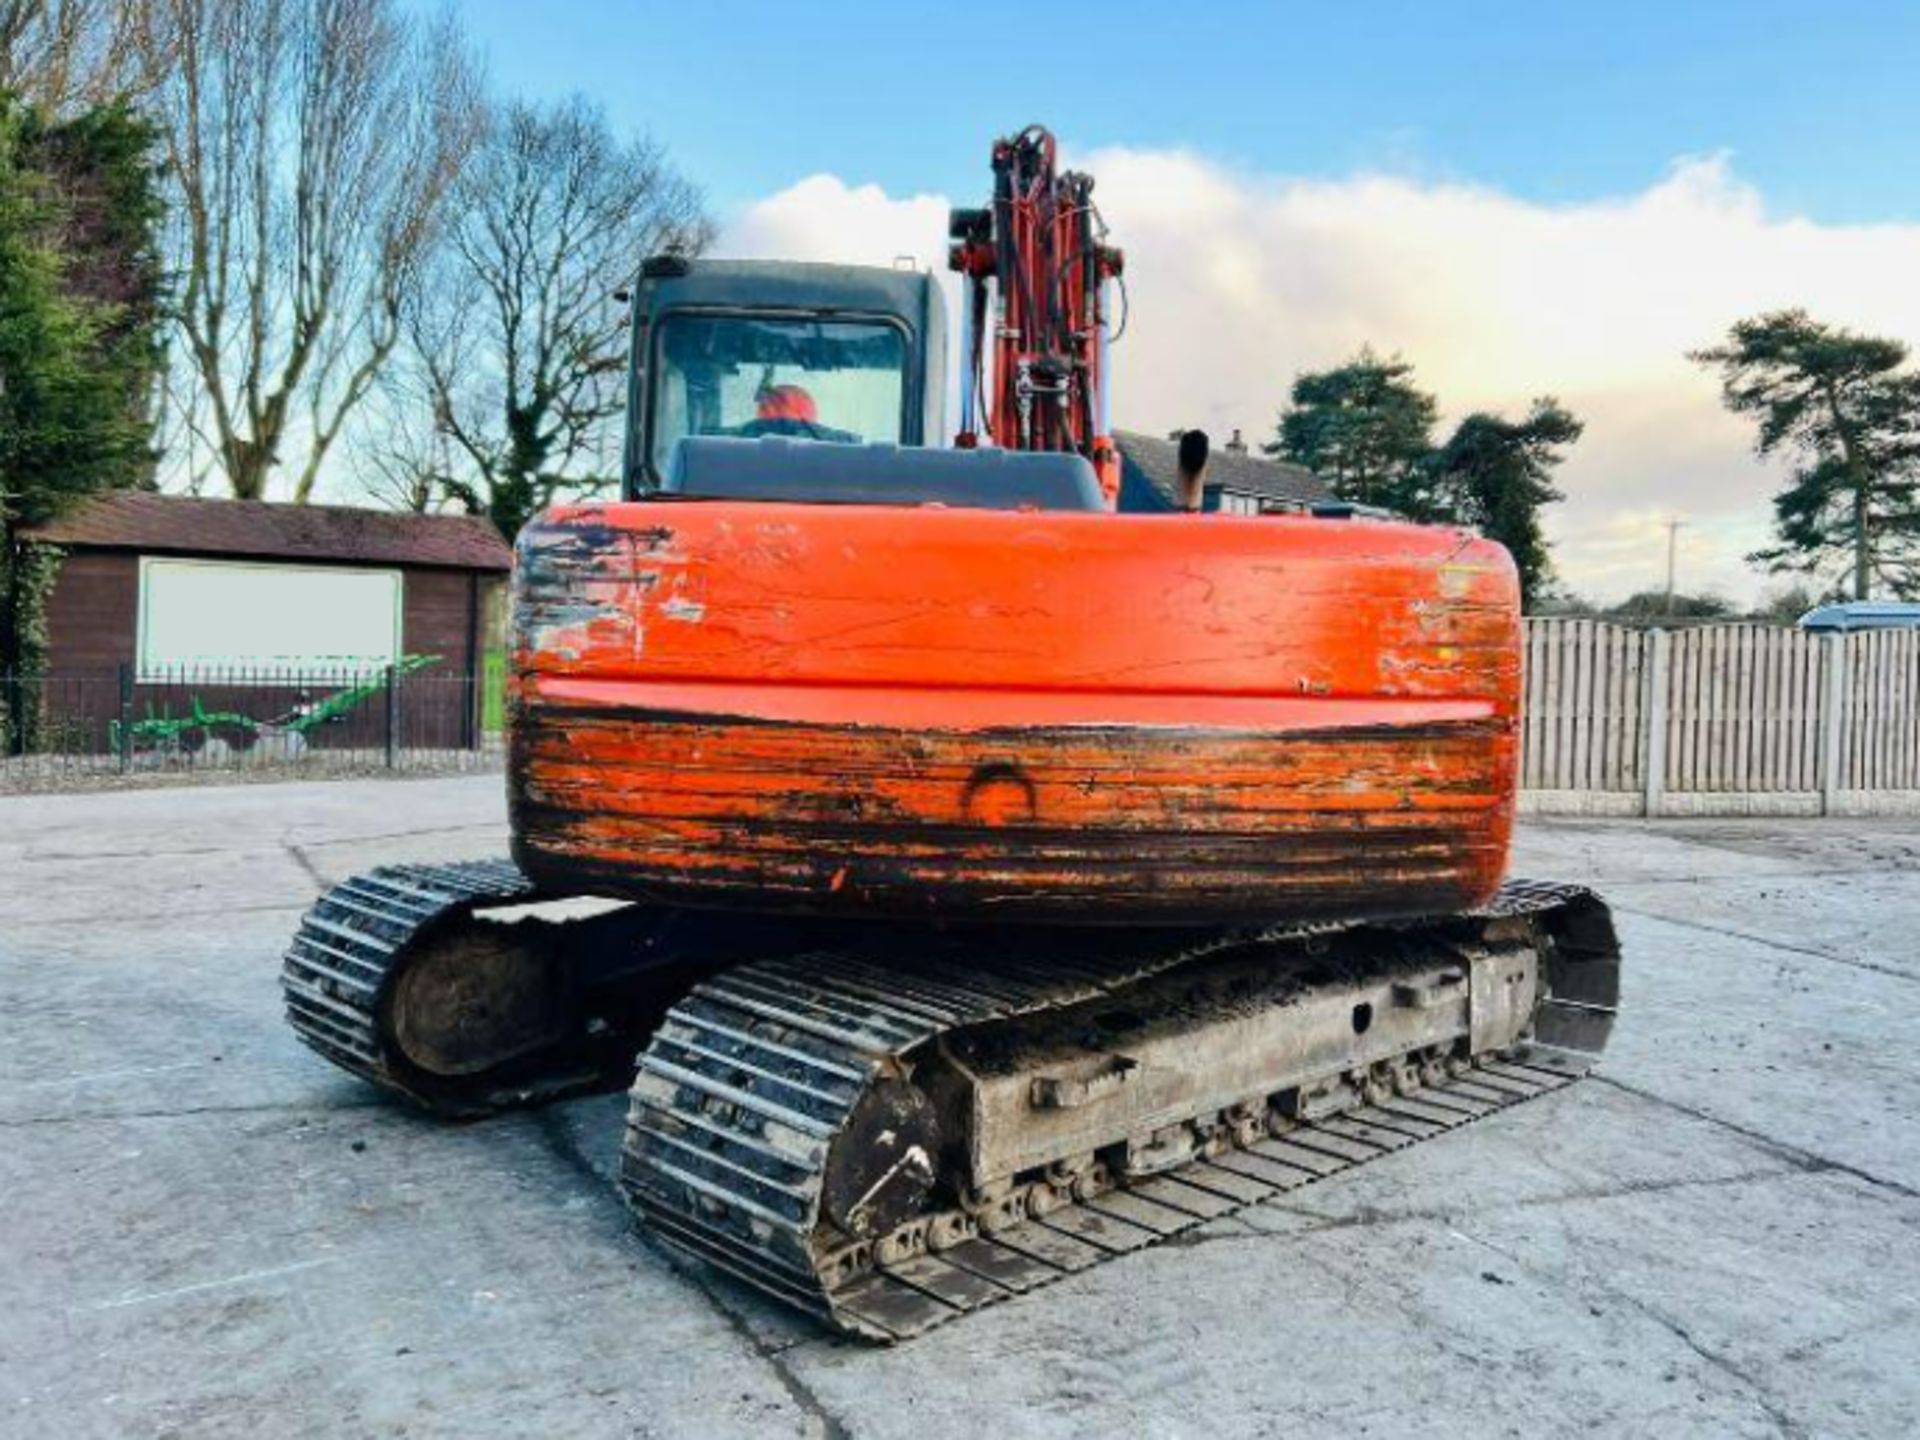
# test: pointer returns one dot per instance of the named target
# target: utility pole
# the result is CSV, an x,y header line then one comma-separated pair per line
x,y
1673,536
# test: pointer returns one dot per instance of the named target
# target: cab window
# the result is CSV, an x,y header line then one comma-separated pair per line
x,y
749,376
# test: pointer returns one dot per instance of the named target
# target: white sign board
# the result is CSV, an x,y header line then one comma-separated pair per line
x,y
269,620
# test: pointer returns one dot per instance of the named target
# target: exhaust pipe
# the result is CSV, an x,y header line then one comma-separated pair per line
x,y
1194,447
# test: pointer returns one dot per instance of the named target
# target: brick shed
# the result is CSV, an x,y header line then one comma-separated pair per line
x,y
161,586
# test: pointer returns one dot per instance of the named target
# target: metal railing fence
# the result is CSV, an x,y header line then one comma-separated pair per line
x,y
122,721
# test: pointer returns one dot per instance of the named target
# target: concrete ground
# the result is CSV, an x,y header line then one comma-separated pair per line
x,y
205,1231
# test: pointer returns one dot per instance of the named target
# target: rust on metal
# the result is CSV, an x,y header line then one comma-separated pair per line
x,y
1085,717
478,1000
1179,825
1249,1068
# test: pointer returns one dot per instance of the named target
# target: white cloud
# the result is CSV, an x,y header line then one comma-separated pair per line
x,y
1239,281
824,218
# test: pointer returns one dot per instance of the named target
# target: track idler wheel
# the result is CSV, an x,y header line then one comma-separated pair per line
x,y
477,999
881,1168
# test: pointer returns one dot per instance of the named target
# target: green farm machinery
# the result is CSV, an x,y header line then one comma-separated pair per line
x,y
162,733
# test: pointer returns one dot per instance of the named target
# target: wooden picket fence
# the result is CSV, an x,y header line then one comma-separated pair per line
x,y
1719,719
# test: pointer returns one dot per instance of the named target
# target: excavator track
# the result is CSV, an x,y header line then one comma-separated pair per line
x,y
792,1122
801,1114
395,977
456,988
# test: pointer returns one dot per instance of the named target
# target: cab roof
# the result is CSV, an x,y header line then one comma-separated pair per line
x,y
751,284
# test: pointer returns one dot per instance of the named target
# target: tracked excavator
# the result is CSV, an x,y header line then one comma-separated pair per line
x,y
991,876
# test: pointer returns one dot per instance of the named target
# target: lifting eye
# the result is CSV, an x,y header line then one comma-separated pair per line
x,y
998,793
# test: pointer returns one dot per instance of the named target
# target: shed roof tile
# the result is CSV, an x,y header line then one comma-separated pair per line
x,y
189,525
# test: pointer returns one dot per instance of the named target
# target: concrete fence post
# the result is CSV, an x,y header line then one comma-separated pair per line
x,y
1833,720
1653,776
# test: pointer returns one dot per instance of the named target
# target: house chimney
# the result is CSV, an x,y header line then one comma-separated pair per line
x,y
1236,446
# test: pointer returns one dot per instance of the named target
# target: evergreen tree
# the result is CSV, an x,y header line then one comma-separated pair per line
x,y
1497,475
1363,426
1842,404
74,375
101,171
79,296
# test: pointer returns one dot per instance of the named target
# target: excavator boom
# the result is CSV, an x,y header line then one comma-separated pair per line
x,y
1042,245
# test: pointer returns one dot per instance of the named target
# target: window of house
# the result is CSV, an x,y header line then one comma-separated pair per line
x,y
270,620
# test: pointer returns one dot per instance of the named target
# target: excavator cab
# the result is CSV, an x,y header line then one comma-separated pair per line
x,y
822,384
755,349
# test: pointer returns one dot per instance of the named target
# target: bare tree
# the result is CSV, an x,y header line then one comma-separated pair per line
x,y
313,145
518,341
67,55
402,458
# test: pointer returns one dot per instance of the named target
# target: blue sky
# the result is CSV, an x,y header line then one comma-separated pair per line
x,y
1818,103
1519,199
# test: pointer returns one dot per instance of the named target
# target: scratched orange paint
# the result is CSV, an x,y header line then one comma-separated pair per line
x,y
977,713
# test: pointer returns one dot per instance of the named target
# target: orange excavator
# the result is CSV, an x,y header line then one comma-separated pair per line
x,y
995,871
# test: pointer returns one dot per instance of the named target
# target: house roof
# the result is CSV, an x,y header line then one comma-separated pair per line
x,y
1234,471
188,525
